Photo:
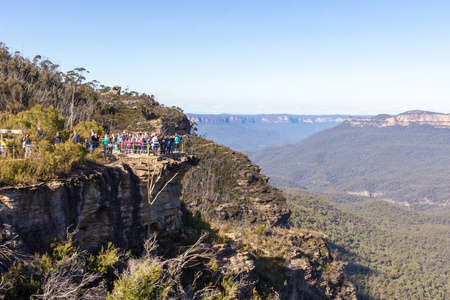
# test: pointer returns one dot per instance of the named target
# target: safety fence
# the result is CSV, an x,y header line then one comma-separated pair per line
x,y
121,148
14,151
141,148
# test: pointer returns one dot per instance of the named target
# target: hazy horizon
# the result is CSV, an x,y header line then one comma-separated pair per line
x,y
309,114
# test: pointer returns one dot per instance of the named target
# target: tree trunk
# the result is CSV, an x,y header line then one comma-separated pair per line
x,y
71,106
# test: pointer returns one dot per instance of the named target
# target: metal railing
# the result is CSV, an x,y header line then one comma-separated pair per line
x,y
15,151
142,148
121,148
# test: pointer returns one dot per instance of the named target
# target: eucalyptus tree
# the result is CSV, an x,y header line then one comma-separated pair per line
x,y
75,78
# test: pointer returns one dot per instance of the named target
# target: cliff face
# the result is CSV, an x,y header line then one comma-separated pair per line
x,y
405,119
106,203
227,187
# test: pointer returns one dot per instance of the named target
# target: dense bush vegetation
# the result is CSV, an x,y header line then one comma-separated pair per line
x,y
47,160
392,253
218,179
25,83
68,272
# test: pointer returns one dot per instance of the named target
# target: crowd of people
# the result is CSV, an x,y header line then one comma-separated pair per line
x,y
131,143
125,143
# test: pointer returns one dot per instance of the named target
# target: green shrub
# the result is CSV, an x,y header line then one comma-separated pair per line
x,y
84,129
63,250
145,282
40,123
17,285
104,260
213,265
228,287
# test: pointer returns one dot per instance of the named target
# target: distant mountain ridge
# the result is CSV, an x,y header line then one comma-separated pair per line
x,y
415,117
406,162
252,132
265,118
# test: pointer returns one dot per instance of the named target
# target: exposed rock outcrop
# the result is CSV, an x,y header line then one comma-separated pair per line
x,y
297,264
105,203
116,90
310,271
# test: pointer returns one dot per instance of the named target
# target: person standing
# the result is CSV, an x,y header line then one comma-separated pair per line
x,y
172,143
163,145
76,137
4,147
168,145
105,143
86,144
155,143
177,141
109,146
26,145
96,141
129,145
58,139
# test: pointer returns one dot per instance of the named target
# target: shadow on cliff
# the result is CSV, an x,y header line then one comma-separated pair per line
x,y
353,270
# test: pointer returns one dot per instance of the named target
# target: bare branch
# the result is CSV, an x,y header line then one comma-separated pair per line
x,y
150,182
167,183
150,245
8,255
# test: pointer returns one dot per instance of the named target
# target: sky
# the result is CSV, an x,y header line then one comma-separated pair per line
x,y
249,57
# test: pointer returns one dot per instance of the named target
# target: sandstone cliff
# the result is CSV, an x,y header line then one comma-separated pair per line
x,y
409,118
104,203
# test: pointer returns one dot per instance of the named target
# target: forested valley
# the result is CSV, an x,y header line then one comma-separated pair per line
x,y
392,252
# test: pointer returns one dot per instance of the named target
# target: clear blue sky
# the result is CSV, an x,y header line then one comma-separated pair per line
x,y
299,57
